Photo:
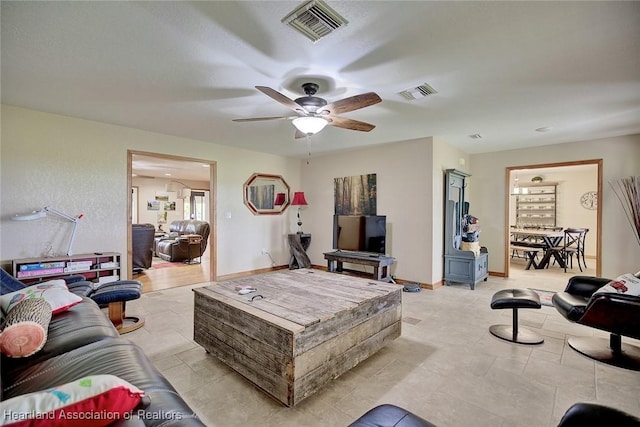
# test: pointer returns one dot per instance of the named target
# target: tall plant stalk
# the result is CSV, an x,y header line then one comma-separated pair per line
x,y
628,192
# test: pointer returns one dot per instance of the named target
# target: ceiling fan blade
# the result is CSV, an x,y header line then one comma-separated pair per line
x,y
257,119
287,102
350,124
352,103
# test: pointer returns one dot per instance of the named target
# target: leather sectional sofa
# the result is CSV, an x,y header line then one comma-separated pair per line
x,y
173,248
82,342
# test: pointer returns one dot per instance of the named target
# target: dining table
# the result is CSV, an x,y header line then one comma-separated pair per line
x,y
548,239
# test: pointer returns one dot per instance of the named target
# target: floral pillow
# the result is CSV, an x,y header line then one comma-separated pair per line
x,y
97,400
55,292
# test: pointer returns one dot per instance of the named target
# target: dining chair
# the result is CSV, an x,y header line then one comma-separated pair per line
x,y
572,244
583,240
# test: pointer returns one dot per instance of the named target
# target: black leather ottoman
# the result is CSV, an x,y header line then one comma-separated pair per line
x,y
115,295
390,416
515,299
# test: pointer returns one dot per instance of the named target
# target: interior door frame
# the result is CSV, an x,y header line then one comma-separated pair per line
x,y
509,169
213,202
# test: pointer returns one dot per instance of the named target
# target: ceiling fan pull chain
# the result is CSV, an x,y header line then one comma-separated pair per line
x,y
308,147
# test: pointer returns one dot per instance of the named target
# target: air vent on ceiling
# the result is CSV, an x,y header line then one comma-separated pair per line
x,y
417,92
314,19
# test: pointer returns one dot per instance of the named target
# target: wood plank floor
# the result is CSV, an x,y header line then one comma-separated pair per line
x,y
163,277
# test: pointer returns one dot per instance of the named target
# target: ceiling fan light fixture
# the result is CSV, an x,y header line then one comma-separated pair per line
x,y
309,125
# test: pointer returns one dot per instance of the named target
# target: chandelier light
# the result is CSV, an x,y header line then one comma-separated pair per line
x,y
309,125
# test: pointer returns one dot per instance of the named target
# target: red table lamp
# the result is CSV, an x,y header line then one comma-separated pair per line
x,y
299,200
280,199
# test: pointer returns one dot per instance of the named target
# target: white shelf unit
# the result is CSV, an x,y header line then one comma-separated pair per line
x,y
537,207
100,267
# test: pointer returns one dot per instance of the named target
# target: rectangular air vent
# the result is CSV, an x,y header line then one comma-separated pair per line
x,y
314,20
417,92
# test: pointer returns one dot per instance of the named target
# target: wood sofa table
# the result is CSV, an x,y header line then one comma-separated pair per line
x,y
381,264
299,330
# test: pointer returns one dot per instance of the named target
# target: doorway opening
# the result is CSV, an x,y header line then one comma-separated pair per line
x,y
554,196
169,188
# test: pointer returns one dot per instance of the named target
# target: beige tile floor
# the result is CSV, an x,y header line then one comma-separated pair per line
x,y
445,367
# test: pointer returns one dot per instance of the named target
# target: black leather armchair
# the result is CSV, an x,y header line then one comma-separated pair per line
x,y
142,246
592,414
578,415
618,314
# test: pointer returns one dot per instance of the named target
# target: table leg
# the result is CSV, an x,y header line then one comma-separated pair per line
x,y
545,260
532,260
551,242
559,258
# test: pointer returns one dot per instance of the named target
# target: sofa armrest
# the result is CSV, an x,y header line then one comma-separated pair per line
x,y
74,279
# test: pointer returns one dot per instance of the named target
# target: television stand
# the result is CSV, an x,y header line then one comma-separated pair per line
x,y
380,263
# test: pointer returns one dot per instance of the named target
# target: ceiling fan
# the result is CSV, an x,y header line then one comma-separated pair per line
x,y
314,113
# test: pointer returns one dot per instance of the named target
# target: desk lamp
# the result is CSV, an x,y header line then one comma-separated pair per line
x,y
47,210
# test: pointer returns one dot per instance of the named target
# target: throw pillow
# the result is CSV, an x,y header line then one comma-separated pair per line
x,y
55,292
25,330
626,284
8,283
97,400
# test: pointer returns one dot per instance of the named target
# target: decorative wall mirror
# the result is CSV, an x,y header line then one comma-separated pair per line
x,y
266,194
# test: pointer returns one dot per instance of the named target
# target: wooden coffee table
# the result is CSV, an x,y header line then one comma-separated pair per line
x,y
299,330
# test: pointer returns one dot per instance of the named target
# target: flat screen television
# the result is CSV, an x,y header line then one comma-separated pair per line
x,y
360,233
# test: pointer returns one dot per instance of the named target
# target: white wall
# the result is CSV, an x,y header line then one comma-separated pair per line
x,y
80,166
444,157
621,155
404,195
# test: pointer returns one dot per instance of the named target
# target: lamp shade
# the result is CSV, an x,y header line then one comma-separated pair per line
x,y
30,216
280,199
298,199
309,124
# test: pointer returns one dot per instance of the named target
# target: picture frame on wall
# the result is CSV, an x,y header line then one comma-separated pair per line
x,y
356,195
153,205
162,196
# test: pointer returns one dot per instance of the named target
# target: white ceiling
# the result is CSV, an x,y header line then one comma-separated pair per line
x,y
501,69
149,166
